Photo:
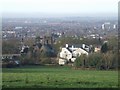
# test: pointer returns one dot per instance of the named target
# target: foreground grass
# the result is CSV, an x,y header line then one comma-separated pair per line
x,y
57,77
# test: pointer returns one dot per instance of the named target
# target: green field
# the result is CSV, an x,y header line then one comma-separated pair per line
x,y
57,77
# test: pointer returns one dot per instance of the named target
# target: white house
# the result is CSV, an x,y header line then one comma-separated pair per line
x,y
69,54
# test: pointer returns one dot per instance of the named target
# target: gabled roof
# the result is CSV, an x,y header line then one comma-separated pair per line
x,y
69,50
78,46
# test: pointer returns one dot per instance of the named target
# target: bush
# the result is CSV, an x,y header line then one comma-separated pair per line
x,y
81,61
103,60
77,62
45,61
111,60
94,59
27,59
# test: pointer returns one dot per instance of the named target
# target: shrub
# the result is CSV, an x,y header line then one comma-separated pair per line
x,y
103,60
95,59
80,61
45,61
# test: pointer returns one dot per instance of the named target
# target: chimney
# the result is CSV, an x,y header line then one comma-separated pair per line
x,y
66,45
72,46
83,45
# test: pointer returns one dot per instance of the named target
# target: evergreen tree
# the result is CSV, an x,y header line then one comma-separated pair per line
x,y
104,48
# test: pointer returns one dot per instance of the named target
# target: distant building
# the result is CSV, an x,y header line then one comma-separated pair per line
x,y
97,49
69,54
103,26
114,26
107,26
45,45
18,27
10,56
10,60
24,49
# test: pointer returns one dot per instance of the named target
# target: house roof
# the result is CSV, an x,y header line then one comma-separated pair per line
x,y
77,46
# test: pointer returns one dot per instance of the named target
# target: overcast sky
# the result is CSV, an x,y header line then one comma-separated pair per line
x,y
60,6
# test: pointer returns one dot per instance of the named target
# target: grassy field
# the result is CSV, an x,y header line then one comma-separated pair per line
x,y
57,77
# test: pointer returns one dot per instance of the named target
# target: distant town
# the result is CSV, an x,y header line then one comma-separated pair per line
x,y
55,40
87,27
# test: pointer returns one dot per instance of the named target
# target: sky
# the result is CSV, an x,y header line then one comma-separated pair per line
x,y
60,6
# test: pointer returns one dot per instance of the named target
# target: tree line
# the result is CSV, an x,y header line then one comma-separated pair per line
x,y
105,59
